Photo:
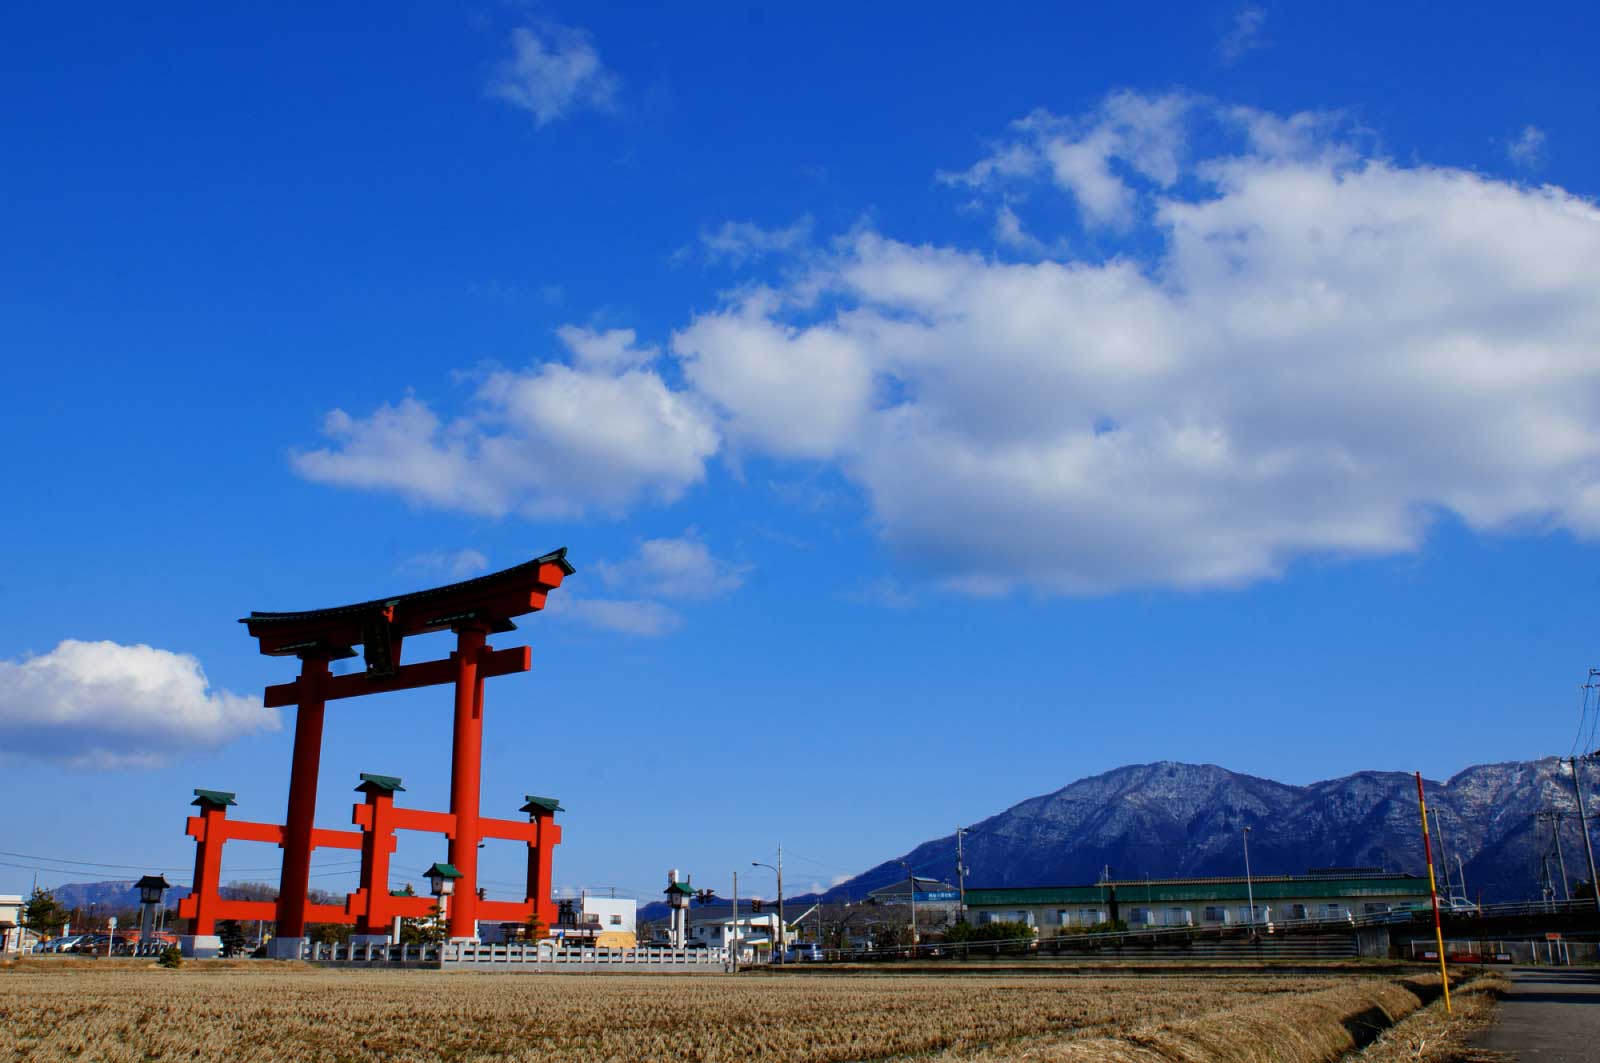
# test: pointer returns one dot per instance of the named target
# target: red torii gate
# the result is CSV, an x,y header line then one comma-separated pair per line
x,y
473,609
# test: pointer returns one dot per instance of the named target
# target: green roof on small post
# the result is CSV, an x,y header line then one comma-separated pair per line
x,y
443,871
379,784
541,804
217,798
153,882
680,887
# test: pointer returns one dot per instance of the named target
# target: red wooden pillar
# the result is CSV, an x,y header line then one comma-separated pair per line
x,y
209,834
541,812
377,844
295,880
466,767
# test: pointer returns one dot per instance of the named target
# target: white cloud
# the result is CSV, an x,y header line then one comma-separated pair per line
x,y
553,70
1098,157
627,616
674,569
1008,231
1324,351
456,564
552,441
739,242
1527,150
613,349
103,704
1244,36
791,392
1314,352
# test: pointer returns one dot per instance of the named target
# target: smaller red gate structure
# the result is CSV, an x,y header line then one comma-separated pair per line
x,y
372,907
472,610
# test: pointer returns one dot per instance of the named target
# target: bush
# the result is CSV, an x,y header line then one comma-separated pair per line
x,y
171,957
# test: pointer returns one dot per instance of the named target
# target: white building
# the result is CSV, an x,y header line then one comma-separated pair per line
x,y
12,936
714,926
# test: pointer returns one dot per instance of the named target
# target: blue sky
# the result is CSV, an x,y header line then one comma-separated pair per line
x,y
939,404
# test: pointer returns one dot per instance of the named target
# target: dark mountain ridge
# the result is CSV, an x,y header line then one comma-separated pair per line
x,y
1169,819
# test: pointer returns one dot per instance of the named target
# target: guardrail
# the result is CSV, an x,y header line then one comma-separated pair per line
x,y
468,954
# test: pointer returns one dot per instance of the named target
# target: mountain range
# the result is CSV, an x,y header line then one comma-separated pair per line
x,y
1170,819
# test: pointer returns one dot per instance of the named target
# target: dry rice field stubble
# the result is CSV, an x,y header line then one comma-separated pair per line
x,y
271,1013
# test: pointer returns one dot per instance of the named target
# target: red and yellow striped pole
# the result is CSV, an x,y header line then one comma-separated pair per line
x,y
1433,891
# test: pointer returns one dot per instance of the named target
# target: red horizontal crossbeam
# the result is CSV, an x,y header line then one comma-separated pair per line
x,y
517,830
406,677
505,911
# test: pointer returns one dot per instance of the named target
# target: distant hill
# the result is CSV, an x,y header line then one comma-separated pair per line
x,y
114,896
1172,819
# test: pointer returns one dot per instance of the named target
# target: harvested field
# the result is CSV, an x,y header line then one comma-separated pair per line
x,y
273,1013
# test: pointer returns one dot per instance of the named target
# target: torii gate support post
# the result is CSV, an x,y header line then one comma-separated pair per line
x,y
541,813
294,882
466,769
209,834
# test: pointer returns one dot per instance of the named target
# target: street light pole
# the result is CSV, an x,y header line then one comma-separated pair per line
x,y
783,927
1583,826
961,871
1249,888
912,878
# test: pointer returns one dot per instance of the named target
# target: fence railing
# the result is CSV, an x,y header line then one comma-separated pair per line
x,y
468,953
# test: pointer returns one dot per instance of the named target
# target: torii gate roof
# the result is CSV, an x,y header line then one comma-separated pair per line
x,y
494,599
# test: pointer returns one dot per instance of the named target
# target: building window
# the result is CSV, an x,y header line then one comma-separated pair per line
x,y
616,920
1139,915
1177,917
1333,911
1090,917
1375,909
1216,914
1297,911
1063,917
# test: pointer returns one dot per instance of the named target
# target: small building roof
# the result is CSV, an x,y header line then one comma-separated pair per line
x,y
379,784
679,887
541,804
153,882
911,884
217,798
443,871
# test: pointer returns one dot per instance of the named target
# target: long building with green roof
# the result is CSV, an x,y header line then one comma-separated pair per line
x,y
1337,893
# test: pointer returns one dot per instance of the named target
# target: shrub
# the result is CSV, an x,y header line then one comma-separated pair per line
x,y
171,957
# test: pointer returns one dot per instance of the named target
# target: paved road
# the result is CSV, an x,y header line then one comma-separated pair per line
x,y
1551,1015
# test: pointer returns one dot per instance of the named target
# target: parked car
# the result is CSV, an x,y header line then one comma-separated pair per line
x,y
60,944
803,952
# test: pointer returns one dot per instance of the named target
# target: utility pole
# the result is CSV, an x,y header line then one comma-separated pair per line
x,y
1444,858
1583,825
1249,889
912,878
1554,816
733,947
783,927
961,872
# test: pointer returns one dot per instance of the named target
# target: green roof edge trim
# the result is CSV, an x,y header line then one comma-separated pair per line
x,y
541,804
388,783
220,798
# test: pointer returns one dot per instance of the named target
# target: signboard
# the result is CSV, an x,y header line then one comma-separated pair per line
x,y
937,895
